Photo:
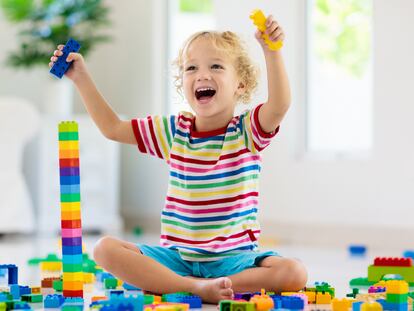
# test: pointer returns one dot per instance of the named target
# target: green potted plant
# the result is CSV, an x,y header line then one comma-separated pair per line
x,y
45,23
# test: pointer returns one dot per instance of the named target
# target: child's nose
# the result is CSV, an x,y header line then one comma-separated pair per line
x,y
204,76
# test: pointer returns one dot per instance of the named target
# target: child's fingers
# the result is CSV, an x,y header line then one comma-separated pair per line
x,y
53,58
272,27
73,57
51,64
57,53
276,34
269,20
60,46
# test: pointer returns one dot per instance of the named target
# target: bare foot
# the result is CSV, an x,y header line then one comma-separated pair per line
x,y
213,290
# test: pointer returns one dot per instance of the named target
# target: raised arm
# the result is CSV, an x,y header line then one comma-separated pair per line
x,y
273,111
100,111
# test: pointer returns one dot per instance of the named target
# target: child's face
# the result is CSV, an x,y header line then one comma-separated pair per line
x,y
210,82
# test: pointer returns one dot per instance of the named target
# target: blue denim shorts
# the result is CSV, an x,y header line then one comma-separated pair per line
x,y
210,269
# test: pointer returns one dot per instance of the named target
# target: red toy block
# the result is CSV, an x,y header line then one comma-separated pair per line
x,y
393,262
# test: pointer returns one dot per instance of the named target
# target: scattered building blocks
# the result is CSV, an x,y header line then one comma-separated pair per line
x,y
341,304
61,65
393,262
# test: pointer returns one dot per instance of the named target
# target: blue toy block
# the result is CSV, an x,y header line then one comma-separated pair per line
x,y
292,303
116,292
72,250
12,275
53,301
356,306
15,291
69,180
101,276
357,250
61,65
127,286
69,189
193,301
393,306
18,305
25,290
409,254
72,259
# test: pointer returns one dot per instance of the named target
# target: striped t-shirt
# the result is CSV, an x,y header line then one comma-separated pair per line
x,y
211,206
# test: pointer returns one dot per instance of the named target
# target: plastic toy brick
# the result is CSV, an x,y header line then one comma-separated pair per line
x,y
341,304
231,305
50,266
71,308
73,276
12,273
397,298
53,301
262,302
259,19
98,298
68,224
48,282
392,306
110,283
323,298
243,296
61,65
73,293
88,278
355,292
57,285
71,250
32,297
357,250
130,287
292,303
36,290
193,301
375,273
409,253
311,296
371,306
393,262
356,306
396,287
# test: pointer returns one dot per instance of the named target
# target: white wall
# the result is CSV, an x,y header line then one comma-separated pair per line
x,y
302,199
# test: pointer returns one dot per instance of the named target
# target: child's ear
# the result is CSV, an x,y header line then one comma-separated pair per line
x,y
241,88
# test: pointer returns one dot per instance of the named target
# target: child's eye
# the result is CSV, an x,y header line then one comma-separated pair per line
x,y
217,66
190,68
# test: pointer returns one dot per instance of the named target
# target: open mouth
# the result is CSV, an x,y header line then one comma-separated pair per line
x,y
204,94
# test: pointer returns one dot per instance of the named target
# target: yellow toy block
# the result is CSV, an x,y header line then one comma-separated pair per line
x,y
88,278
73,285
259,19
70,206
36,290
68,144
323,298
396,287
311,296
68,126
73,277
341,304
50,266
371,306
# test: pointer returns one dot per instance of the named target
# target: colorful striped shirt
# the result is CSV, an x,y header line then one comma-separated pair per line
x,y
211,205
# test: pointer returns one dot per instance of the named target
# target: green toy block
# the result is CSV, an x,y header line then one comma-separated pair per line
x,y
68,126
70,197
32,298
69,267
58,285
148,299
397,298
355,291
71,308
111,283
68,136
49,258
360,282
3,306
376,273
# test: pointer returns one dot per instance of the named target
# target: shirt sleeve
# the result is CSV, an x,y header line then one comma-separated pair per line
x,y
155,134
254,137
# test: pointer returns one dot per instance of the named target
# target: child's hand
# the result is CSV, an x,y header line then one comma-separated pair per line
x,y
273,30
78,67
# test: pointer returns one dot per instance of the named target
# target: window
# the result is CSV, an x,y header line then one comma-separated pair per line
x,y
339,115
185,18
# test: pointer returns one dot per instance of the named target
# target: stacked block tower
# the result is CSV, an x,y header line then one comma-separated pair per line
x,y
70,209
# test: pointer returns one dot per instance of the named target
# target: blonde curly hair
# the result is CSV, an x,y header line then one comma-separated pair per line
x,y
230,44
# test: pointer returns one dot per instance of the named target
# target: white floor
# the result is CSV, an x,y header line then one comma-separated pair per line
x,y
332,265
